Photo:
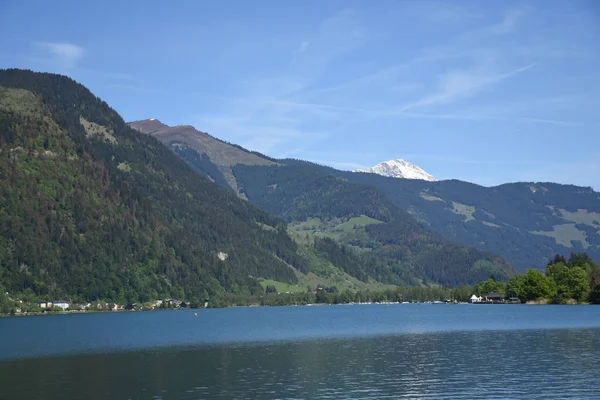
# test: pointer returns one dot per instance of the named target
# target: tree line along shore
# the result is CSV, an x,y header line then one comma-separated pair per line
x,y
575,280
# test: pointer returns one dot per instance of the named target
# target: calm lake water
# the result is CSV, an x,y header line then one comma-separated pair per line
x,y
333,352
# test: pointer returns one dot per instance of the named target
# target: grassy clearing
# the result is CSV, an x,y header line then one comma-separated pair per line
x,y
336,229
339,279
323,273
283,287
429,197
581,217
357,222
564,234
94,130
490,224
464,210
21,101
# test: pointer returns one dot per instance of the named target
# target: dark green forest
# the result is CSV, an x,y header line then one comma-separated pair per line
x,y
504,216
299,192
109,213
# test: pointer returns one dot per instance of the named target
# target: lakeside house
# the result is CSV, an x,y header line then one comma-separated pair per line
x,y
475,299
61,303
490,298
58,303
46,304
493,297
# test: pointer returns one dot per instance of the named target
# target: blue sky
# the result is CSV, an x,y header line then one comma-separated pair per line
x,y
484,91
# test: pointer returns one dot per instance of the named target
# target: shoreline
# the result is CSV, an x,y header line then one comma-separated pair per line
x,y
544,302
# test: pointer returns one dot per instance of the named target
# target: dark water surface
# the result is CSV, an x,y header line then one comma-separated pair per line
x,y
335,352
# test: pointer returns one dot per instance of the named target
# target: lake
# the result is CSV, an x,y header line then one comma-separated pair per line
x,y
409,351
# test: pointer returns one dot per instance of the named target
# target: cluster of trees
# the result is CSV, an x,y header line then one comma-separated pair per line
x,y
574,280
330,295
577,278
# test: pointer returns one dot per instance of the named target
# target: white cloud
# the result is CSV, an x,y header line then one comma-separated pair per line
x,y
64,54
268,113
455,85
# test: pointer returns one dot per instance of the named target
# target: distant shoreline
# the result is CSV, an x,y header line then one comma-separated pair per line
x,y
39,314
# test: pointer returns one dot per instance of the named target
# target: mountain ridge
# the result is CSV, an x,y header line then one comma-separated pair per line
x,y
215,157
473,215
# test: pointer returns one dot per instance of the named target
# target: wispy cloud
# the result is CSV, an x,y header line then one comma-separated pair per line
x,y
346,82
455,85
550,121
508,23
63,54
268,115
487,116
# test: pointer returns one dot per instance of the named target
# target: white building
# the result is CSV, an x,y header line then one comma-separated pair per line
x,y
62,304
475,299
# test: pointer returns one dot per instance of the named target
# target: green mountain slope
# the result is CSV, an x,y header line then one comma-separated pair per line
x,y
403,251
301,193
90,208
524,222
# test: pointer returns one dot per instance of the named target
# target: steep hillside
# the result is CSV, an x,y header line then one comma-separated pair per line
x,y
92,209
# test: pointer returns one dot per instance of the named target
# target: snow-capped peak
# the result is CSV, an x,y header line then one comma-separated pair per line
x,y
399,169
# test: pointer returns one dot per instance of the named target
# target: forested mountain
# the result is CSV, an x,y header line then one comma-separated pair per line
x,y
397,251
523,222
362,217
92,209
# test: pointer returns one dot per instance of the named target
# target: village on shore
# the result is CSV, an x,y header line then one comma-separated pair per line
x,y
23,308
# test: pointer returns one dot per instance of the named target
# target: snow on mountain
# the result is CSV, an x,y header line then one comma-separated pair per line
x,y
399,169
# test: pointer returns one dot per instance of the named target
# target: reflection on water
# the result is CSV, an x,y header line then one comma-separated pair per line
x,y
524,364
